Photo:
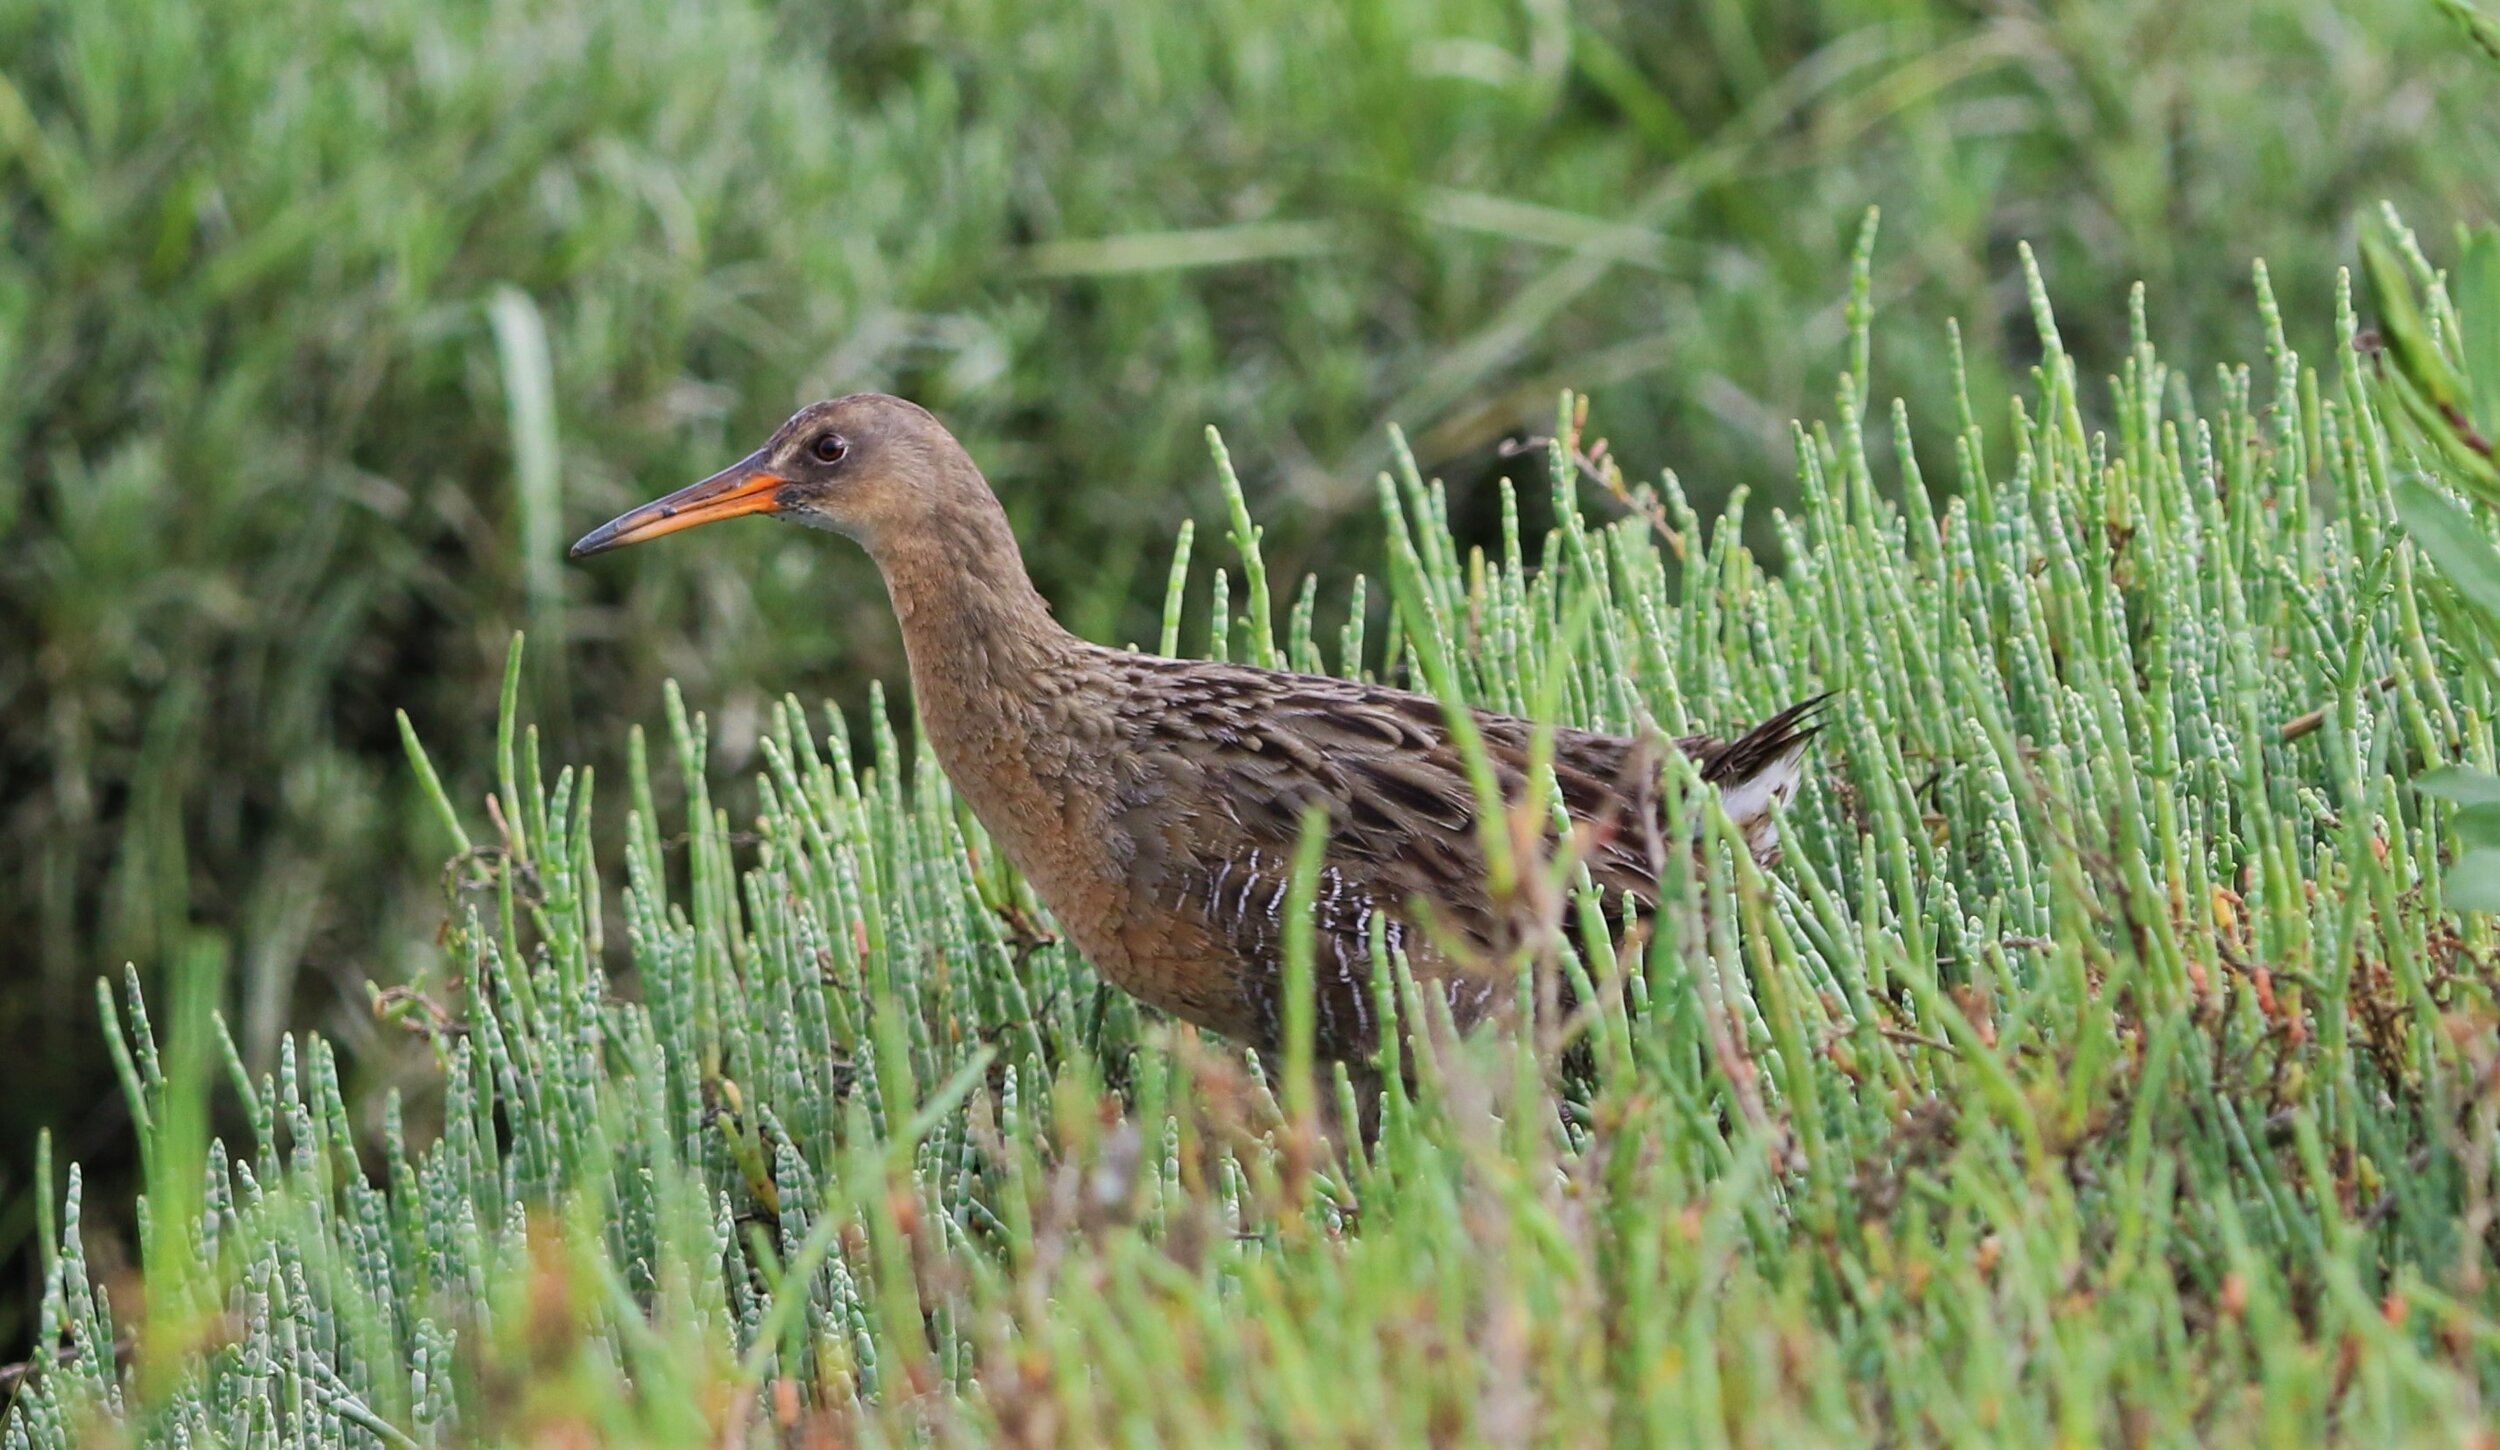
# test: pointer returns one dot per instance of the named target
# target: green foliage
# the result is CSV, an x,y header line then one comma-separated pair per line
x,y
2443,377
2102,1061
319,321
2477,24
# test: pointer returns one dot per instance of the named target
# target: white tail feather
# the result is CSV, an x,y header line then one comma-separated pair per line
x,y
1754,803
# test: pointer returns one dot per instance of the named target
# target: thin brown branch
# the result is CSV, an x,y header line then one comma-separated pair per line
x,y
2315,720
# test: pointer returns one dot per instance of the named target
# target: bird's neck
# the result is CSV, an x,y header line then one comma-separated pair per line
x,y
979,637
995,680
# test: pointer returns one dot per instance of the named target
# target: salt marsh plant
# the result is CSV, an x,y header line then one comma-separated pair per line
x,y
2104,1061
318,321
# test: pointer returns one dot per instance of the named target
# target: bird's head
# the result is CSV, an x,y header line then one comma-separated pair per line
x,y
869,466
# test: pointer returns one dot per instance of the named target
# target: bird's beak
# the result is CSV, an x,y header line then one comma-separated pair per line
x,y
745,487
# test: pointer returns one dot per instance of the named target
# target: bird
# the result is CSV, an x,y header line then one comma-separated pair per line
x,y
1155,805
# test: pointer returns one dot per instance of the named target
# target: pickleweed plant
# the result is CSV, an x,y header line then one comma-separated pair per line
x,y
2106,1058
2439,370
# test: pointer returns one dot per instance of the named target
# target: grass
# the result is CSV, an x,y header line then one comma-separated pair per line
x,y
2102,1062
319,322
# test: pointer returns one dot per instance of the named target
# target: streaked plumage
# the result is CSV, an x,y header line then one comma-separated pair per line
x,y
1155,804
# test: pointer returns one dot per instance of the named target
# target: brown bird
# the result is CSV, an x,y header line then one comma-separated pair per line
x,y
1155,804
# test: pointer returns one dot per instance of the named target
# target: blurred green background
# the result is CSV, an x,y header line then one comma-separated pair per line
x,y
325,324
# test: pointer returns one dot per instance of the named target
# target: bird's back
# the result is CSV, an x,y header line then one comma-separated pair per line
x,y
1206,788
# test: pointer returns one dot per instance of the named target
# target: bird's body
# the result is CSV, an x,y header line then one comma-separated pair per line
x,y
1155,805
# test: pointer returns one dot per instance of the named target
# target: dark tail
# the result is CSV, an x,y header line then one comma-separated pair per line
x,y
1783,737
1759,771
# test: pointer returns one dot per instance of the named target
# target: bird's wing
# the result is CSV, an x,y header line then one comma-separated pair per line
x,y
1228,760
1232,758
1223,768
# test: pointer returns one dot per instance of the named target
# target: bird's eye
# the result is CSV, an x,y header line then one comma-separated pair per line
x,y
829,448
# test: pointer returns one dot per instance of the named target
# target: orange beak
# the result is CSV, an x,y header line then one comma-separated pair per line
x,y
745,487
